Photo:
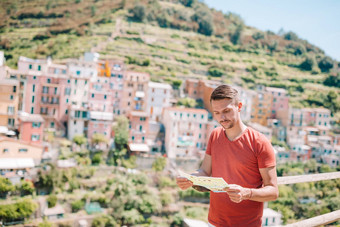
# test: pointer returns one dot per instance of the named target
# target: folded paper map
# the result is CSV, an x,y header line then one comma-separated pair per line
x,y
215,184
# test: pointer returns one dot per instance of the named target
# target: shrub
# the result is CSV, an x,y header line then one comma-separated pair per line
x,y
52,201
325,64
77,205
215,72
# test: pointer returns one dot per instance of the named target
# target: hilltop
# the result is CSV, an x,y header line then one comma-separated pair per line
x,y
171,40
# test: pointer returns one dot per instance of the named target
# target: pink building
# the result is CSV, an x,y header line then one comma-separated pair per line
x,y
135,92
139,127
45,91
31,128
280,100
186,131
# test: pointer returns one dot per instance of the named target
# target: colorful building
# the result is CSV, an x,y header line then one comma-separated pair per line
x,y
186,131
9,100
280,100
159,96
31,128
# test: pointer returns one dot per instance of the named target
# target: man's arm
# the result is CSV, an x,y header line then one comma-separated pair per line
x,y
204,170
268,192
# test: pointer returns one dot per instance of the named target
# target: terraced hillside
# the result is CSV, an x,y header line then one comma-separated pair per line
x,y
172,40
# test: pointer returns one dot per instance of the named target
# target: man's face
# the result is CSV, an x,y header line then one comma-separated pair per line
x,y
226,112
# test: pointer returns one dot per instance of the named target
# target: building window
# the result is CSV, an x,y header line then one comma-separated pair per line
x,y
33,88
11,97
10,110
66,100
10,121
14,89
45,90
33,99
34,77
5,150
48,80
133,138
30,66
105,96
35,137
202,116
32,110
75,82
39,67
92,95
78,72
68,81
23,150
66,112
36,124
52,124
67,91
140,128
55,90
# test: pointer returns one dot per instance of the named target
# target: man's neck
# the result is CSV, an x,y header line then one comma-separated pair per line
x,y
236,131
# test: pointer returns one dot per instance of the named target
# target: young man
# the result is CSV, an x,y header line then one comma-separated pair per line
x,y
244,158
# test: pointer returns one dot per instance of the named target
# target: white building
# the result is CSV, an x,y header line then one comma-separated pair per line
x,y
246,97
271,218
159,96
186,131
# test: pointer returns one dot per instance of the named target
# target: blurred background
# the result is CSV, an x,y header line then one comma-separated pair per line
x,y
101,102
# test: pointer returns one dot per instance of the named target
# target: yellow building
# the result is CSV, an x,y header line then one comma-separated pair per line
x,y
9,100
16,149
261,107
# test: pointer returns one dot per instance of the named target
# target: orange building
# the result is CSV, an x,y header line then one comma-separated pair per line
x,y
261,111
9,100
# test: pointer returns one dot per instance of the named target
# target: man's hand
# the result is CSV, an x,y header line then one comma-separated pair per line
x,y
237,193
183,183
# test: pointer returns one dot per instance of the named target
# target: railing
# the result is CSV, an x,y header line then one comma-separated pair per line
x,y
318,220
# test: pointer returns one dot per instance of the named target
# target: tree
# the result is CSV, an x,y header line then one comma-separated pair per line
x,y
215,71
325,64
204,19
98,138
79,140
235,37
45,223
332,81
187,102
96,159
308,64
19,210
258,35
5,187
291,36
104,221
188,3
159,164
52,201
26,188
77,205
121,130
139,13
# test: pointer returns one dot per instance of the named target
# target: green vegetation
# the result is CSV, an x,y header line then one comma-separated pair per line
x,y
306,200
168,40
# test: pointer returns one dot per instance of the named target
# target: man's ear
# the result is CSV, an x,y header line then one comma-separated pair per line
x,y
239,106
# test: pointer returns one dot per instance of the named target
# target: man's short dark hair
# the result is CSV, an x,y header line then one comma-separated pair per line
x,y
225,92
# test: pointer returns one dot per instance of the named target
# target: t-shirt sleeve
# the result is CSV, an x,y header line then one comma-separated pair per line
x,y
208,150
266,154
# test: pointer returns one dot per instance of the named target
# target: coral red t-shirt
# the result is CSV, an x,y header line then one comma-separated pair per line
x,y
238,162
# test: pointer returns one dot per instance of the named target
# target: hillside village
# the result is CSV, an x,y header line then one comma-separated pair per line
x,y
101,102
84,96
42,101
